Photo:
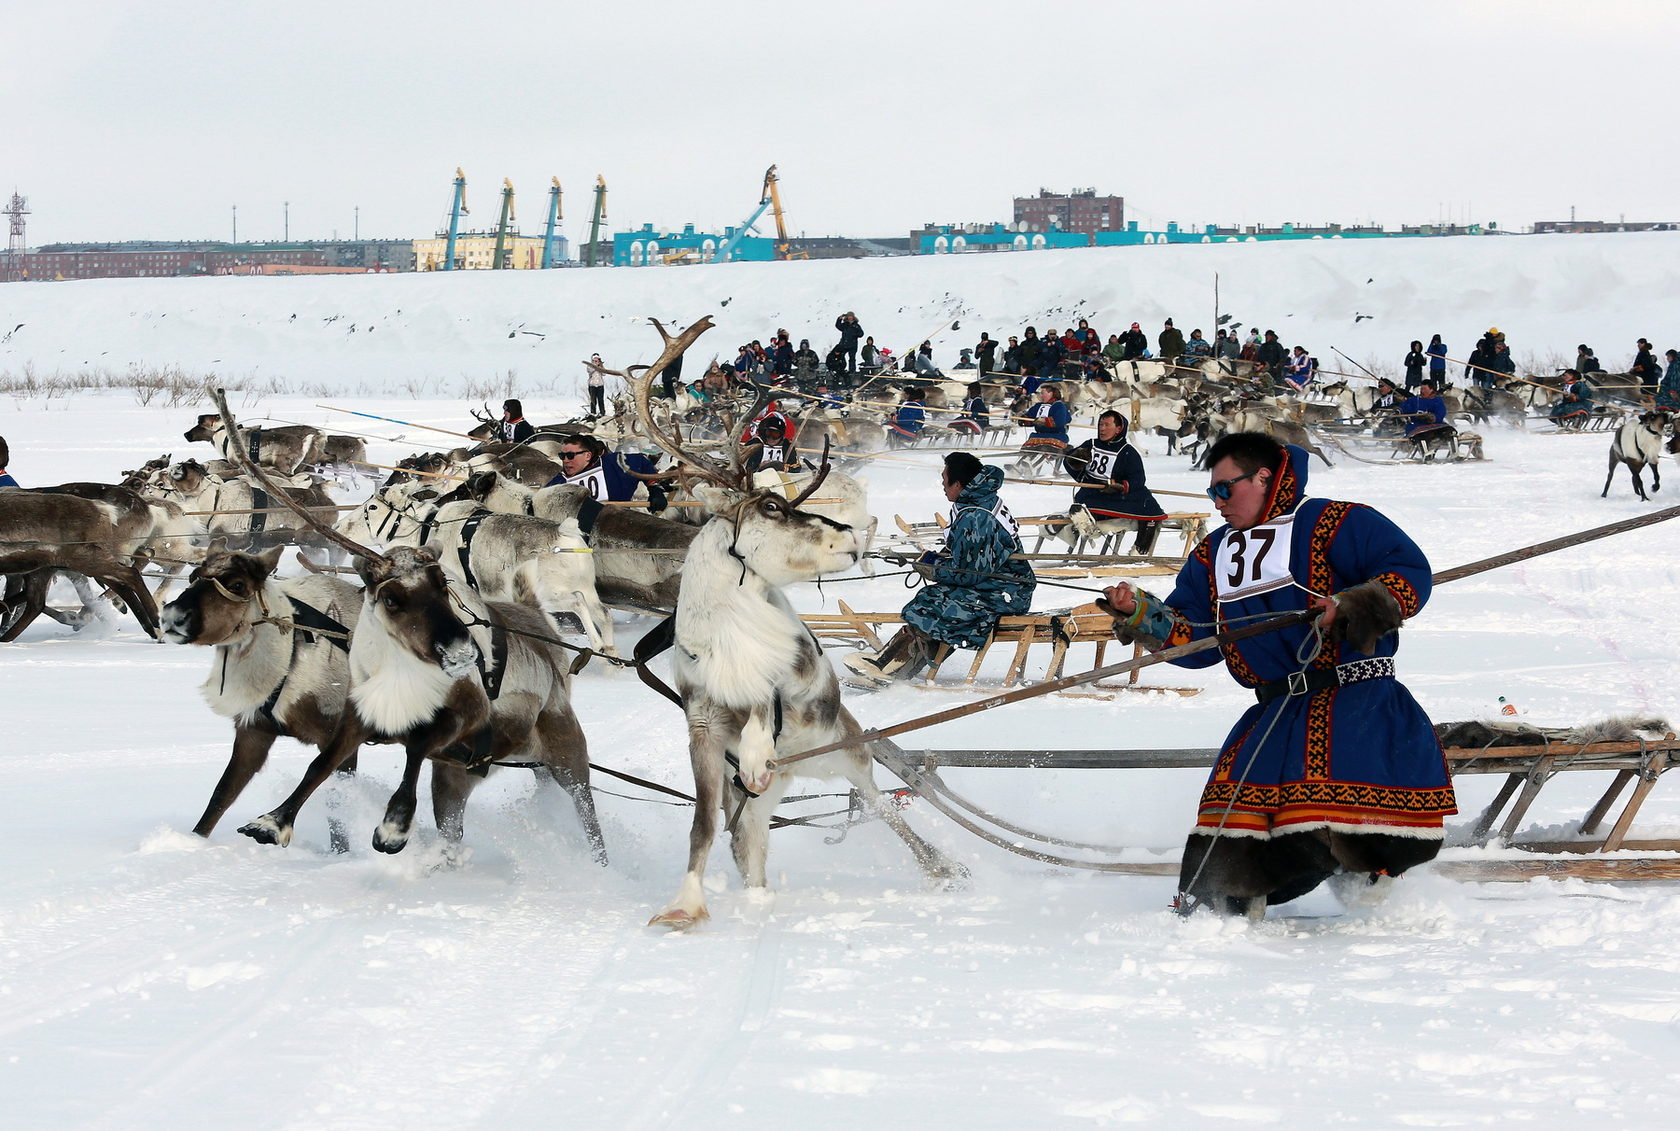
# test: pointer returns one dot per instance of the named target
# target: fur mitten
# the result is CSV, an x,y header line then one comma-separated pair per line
x,y
1365,613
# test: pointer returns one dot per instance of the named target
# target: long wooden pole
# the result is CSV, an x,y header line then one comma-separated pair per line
x,y
394,420
1220,639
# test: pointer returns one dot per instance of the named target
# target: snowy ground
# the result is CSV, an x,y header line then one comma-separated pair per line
x,y
151,979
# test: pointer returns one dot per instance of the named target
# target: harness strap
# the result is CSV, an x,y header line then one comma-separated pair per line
x,y
659,639
588,511
253,438
304,617
468,529
491,674
259,504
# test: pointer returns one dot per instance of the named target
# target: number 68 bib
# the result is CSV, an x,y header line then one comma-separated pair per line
x,y
1254,561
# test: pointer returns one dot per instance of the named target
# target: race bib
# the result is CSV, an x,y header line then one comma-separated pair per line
x,y
1101,464
594,481
998,512
1254,561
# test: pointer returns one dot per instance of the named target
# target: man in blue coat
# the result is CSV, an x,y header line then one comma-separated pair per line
x,y
973,582
607,476
1335,768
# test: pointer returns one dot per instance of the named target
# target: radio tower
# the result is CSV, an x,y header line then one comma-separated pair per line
x,y
16,209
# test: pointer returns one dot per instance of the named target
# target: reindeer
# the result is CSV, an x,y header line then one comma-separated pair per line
x,y
458,681
638,557
45,531
1638,444
281,665
752,678
285,449
241,511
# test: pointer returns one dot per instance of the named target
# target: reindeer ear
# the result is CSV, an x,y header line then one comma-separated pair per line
x,y
218,545
481,484
425,555
270,558
373,570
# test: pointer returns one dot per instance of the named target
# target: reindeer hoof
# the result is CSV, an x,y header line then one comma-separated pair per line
x,y
389,838
267,829
954,877
679,918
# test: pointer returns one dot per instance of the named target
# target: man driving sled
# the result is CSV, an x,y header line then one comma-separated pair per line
x,y
1335,768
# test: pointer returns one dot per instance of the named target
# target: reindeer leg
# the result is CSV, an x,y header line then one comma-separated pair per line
x,y
250,752
392,834
451,786
1608,476
749,842
859,770
566,755
275,826
708,735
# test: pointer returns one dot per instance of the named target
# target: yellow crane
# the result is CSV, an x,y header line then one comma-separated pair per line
x,y
783,247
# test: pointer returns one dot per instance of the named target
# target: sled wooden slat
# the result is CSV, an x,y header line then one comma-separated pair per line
x,y
1521,871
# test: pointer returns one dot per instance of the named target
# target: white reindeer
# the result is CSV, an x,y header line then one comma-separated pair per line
x,y
1638,444
752,678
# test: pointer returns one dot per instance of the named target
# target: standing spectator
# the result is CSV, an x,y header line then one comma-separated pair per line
x,y
1585,362
1087,338
781,361
1270,355
1197,349
1171,343
1479,369
1029,351
871,356
1437,352
1503,362
1115,351
804,360
924,361
1250,347
597,386
1136,342
1049,355
850,332
1012,356
1645,369
1416,361
985,350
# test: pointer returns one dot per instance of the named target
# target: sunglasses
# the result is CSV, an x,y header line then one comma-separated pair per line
x,y
574,455
1222,489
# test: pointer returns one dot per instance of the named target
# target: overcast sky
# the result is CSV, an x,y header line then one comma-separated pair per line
x,y
151,120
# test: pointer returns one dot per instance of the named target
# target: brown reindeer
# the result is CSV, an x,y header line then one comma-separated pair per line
x,y
45,531
285,449
462,683
282,658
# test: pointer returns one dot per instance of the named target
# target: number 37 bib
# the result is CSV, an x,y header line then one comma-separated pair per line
x,y
1254,561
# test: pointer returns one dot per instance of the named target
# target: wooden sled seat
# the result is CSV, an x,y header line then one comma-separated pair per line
x,y
1041,637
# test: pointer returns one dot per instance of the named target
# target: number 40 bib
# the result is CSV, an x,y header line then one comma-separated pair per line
x,y
1254,561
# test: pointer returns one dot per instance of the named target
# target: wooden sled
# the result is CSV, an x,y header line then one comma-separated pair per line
x,y
1042,637
1584,855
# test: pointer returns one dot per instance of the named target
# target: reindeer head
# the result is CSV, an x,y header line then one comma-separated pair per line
x,y
409,600
205,429
221,598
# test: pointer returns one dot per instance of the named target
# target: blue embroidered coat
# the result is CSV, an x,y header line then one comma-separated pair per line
x,y
1361,757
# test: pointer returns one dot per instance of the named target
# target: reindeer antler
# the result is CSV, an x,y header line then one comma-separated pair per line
x,y
811,487
641,385
237,446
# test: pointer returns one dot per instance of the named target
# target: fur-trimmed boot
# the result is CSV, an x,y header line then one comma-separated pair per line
x,y
1146,538
906,655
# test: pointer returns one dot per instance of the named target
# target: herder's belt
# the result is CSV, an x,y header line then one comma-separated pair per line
x,y
1305,683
